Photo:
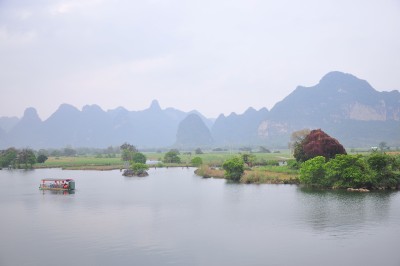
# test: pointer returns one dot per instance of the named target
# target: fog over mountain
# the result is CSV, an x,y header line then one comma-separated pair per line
x,y
193,132
343,105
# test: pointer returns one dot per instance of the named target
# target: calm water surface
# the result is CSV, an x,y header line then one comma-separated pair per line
x,y
173,217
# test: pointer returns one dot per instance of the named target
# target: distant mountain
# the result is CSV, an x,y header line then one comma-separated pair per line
x,y
7,123
236,130
192,132
342,105
27,132
94,127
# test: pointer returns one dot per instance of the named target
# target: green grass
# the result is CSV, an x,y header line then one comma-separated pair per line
x,y
93,162
218,158
81,162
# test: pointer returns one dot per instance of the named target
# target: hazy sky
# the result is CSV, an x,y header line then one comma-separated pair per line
x,y
216,56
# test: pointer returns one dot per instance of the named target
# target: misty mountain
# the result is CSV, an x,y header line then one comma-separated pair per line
x,y
94,127
192,132
241,129
7,123
342,105
27,131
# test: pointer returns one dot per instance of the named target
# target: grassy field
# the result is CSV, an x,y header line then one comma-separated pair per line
x,y
82,163
257,175
217,158
211,161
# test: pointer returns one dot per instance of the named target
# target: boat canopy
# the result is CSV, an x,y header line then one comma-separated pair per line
x,y
57,179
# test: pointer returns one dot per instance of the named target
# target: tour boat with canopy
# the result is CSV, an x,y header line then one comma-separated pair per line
x,y
57,184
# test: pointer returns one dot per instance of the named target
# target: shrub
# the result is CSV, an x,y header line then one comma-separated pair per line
x,y
346,171
234,168
172,157
312,172
384,167
197,161
139,157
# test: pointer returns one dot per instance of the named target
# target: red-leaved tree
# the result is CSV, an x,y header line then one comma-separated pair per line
x,y
317,143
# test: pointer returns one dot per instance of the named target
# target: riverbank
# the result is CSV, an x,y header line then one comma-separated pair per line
x,y
256,175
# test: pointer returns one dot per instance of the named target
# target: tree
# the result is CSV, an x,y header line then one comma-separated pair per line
x,y
26,157
317,143
8,157
137,169
297,137
139,157
127,151
249,159
234,168
385,168
172,157
196,161
349,171
383,146
198,151
69,151
312,172
41,158
126,155
129,147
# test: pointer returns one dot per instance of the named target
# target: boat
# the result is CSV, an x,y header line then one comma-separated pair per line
x,y
57,184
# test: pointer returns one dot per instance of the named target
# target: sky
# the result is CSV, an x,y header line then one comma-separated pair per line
x,y
215,56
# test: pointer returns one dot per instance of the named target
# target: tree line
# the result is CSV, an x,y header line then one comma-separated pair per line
x,y
24,158
323,162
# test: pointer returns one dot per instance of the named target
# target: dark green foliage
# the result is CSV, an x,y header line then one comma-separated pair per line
x,y
172,157
352,171
26,157
386,169
139,168
139,157
293,164
41,158
346,171
234,168
317,143
127,152
312,172
8,157
198,151
197,161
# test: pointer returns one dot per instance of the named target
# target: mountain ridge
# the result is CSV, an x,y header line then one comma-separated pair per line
x,y
343,105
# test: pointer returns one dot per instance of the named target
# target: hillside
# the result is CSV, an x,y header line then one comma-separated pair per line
x,y
342,105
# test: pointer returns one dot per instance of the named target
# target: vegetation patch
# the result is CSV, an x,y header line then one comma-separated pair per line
x,y
270,175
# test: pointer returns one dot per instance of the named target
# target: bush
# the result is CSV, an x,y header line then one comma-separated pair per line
x,y
139,157
172,157
312,172
139,169
351,171
385,169
197,161
346,171
234,168
41,158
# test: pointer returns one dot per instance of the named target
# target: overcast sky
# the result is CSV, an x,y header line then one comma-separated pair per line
x,y
215,56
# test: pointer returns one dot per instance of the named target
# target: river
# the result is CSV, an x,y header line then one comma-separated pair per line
x,y
173,217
